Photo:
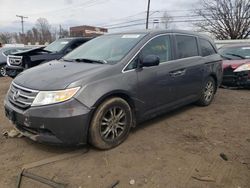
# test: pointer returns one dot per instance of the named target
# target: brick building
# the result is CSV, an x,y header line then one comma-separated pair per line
x,y
87,31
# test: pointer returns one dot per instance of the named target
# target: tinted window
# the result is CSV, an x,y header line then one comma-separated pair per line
x,y
159,46
186,46
73,46
206,48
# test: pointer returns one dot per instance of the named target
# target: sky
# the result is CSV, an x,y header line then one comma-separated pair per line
x,y
109,13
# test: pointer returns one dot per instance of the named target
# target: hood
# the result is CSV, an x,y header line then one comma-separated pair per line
x,y
34,51
39,55
234,63
56,75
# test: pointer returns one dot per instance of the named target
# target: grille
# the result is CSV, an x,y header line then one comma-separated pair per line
x,y
14,60
21,97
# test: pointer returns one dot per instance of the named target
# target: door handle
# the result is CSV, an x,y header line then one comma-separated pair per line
x,y
177,73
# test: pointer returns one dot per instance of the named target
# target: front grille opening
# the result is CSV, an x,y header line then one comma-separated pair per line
x,y
35,131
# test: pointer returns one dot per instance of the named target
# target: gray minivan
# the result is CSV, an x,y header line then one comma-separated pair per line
x,y
96,93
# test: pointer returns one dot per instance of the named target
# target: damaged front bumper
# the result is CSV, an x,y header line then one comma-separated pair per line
x,y
13,71
236,79
63,123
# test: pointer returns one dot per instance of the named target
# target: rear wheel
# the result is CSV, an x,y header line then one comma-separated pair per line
x,y
207,93
110,124
2,71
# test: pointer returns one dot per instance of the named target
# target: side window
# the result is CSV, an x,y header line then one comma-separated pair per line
x,y
186,46
133,64
159,46
206,48
73,46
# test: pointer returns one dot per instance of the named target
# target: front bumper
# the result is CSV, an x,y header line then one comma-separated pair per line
x,y
236,79
13,71
63,123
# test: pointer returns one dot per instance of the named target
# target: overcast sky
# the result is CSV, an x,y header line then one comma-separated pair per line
x,y
91,12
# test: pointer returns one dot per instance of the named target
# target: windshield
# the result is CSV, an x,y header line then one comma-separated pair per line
x,y
57,45
235,53
107,48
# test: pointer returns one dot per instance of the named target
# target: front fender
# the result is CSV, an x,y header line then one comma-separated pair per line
x,y
123,83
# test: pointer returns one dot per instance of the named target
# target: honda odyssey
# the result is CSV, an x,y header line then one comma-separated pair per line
x,y
97,92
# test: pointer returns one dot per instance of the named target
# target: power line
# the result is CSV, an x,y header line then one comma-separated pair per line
x,y
22,17
136,20
123,18
174,21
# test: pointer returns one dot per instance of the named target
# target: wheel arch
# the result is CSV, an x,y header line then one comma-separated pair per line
x,y
117,93
213,75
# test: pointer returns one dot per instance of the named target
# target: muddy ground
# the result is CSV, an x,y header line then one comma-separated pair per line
x,y
178,150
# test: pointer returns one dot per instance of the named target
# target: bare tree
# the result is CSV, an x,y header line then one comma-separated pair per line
x,y
6,37
43,26
166,19
225,19
42,32
64,33
35,34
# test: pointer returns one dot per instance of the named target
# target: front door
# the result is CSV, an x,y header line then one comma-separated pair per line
x,y
155,83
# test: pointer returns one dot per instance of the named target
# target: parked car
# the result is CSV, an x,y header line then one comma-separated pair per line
x,y
236,65
4,52
57,49
99,91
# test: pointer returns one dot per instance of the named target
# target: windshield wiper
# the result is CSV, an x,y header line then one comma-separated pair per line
x,y
236,55
68,60
91,60
228,58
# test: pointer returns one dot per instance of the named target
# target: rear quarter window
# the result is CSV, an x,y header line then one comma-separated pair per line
x,y
186,46
206,48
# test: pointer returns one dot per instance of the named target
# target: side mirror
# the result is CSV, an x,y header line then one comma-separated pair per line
x,y
150,60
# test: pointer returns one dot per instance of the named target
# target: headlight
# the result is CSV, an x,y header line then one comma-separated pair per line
x,y
52,97
244,67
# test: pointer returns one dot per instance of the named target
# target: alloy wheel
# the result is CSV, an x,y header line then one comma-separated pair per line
x,y
3,71
113,123
209,91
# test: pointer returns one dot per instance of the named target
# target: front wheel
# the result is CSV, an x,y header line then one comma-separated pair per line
x,y
110,124
207,93
2,71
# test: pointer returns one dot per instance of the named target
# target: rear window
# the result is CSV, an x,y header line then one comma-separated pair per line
x,y
186,46
206,48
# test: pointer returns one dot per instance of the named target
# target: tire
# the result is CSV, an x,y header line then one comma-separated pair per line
x,y
3,71
110,124
207,93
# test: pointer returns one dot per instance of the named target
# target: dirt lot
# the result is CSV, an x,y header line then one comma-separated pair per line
x,y
170,151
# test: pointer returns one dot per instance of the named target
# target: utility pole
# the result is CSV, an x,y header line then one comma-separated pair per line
x,y
60,31
22,17
147,14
